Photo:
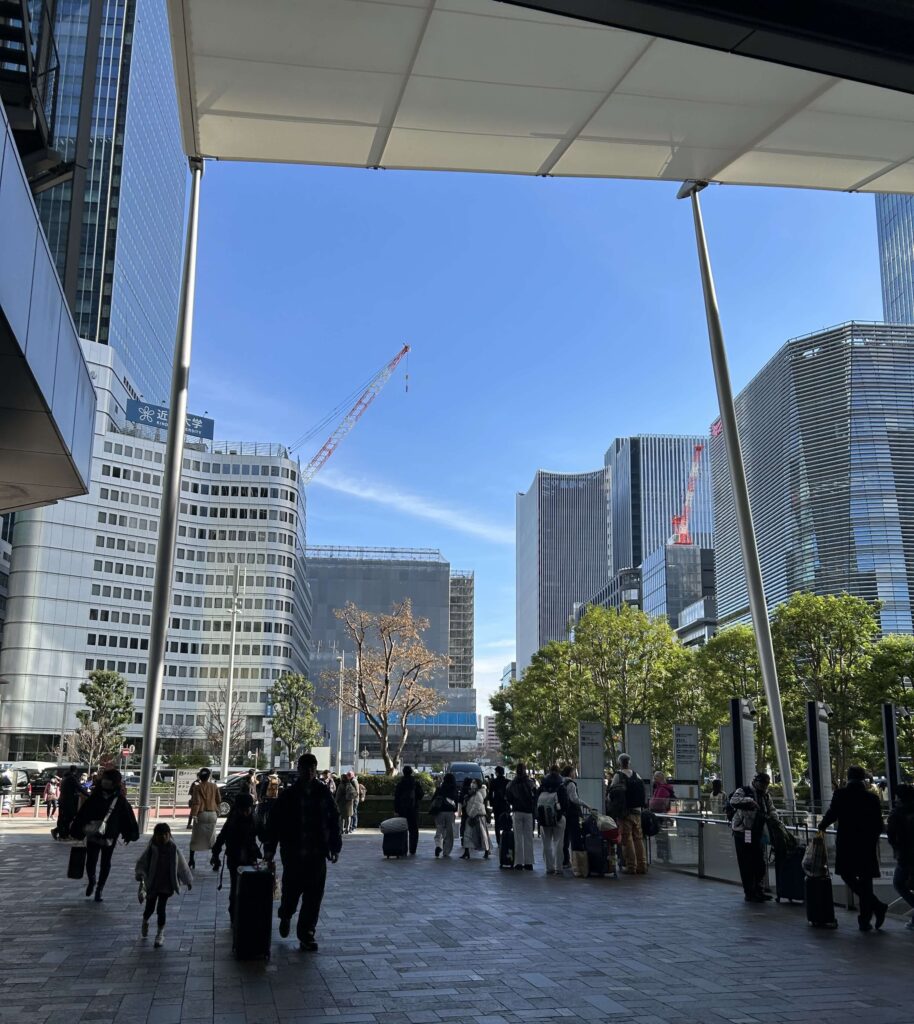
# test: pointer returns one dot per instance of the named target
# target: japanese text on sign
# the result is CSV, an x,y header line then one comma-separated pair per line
x,y
157,416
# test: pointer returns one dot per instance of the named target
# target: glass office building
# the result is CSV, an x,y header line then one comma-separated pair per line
x,y
561,554
827,430
895,228
674,577
647,477
129,251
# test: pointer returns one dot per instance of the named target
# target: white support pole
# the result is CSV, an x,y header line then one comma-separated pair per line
x,y
339,716
171,490
758,606
230,684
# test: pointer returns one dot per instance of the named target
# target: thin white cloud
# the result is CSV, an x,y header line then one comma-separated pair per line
x,y
497,645
415,505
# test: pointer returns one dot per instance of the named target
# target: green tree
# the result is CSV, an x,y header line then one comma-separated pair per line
x,y
889,681
504,723
294,713
824,647
108,711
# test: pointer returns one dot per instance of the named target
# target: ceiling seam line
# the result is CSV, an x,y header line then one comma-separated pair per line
x,y
878,174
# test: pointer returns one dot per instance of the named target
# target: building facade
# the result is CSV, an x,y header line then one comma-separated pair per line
x,y
116,235
376,579
827,430
674,577
82,574
647,477
895,231
561,554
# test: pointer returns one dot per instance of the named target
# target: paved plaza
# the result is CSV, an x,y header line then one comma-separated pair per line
x,y
421,941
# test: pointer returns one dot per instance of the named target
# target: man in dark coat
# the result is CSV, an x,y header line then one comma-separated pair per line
x,y
498,798
305,825
407,797
68,805
900,830
858,813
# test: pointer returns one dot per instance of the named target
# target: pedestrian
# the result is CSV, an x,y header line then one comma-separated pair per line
x,y
900,830
551,813
475,831
347,793
102,819
270,786
305,826
238,837
68,802
627,801
572,839
717,800
363,793
204,808
752,810
444,808
521,796
464,796
858,813
160,870
252,783
407,797
327,780
662,794
51,796
498,799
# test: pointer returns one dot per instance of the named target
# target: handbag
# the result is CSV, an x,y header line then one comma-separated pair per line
x,y
815,860
94,832
76,865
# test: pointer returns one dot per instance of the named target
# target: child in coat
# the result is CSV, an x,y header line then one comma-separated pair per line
x,y
160,871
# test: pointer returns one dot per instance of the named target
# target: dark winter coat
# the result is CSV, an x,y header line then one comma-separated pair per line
x,y
900,830
303,824
122,822
498,794
858,813
148,863
407,797
70,792
239,839
521,795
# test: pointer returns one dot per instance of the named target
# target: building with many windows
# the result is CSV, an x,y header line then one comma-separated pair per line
x,y
895,230
561,554
375,580
827,430
674,577
82,574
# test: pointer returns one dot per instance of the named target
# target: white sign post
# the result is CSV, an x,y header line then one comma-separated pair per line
x,y
638,747
591,763
184,779
686,761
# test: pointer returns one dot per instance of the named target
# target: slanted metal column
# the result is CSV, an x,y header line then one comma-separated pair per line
x,y
171,491
757,604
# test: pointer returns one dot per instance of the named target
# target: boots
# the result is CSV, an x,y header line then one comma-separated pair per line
x,y
90,887
160,938
465,855
98,894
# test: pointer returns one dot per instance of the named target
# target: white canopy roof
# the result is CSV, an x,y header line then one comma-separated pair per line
x,y
475,85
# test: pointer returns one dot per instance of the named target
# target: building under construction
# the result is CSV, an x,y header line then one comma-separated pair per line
x,y
375,579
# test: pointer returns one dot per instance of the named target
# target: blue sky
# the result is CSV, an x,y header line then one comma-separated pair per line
x,y
546,317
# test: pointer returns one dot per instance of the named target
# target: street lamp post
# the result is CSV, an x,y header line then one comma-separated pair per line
x,y
227,724
341,658
65,690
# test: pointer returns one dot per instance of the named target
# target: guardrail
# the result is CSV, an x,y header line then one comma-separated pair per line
x,y
702,845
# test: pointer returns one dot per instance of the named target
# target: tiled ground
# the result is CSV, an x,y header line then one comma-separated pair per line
x,y
410,942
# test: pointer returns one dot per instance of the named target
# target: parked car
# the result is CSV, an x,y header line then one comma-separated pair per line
x,y
15,789
238,784
466,770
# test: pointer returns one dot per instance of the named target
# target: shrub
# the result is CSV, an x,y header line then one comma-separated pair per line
x,y
384,785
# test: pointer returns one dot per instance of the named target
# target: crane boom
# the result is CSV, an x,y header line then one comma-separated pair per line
x,y
681,533
353,416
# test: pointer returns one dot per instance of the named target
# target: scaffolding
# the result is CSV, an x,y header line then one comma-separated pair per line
x,y
374,554
460,633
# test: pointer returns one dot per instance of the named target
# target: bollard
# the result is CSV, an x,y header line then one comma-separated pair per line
x,y
37,806
158,807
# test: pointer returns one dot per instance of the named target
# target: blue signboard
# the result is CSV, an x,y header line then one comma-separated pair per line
x,y
157,416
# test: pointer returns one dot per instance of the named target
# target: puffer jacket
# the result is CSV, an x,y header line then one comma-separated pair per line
x,y
752,808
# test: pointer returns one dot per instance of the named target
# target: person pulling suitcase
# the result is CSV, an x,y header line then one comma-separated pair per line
x,y
305,825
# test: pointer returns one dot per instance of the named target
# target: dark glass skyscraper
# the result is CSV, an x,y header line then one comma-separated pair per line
x,y
827,430
125,289
895,227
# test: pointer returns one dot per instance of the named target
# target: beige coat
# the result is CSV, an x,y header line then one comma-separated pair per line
x,y
205,797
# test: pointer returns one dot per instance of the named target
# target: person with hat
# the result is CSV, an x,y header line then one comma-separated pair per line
x,y
752,809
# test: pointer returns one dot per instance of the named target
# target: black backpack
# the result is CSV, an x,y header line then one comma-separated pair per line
x,y
635,797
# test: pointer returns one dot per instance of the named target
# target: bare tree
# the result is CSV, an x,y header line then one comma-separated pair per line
x,y
388,682
215,727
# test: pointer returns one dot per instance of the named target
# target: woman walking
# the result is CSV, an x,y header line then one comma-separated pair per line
x,y
160,871
204,808
475,831
105,816
522,801
50,796
444,808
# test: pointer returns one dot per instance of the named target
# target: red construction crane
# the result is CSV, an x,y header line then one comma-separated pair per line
x,y
681,533
366,397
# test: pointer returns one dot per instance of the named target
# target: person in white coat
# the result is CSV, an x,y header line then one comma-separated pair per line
x,y
475,831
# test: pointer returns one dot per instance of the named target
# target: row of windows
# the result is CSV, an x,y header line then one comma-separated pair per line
x,y
234,491
132,643
139,547
222,580
131,668
213,696
251,536
127,618
125,569
128,522
249,557
268,603
128,498
240,469
124,593
217,672
225,626
192,647
237,512
123,473
133,452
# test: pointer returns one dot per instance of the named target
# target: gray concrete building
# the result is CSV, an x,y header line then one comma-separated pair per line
x,y
375,579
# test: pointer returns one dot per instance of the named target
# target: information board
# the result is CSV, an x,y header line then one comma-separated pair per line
x,y
686,759
638,747
147,415
591,762
184,778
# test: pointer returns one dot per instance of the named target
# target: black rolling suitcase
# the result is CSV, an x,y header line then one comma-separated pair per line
x,y
395,844
76,866
506,848
253,927
820,903
789,876
597,850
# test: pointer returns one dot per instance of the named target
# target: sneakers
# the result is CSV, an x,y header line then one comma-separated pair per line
x,y
144,928
160,939
308,943
284,927
90,888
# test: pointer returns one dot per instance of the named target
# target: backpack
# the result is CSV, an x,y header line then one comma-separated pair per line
x,y
650,824
548,811
635,797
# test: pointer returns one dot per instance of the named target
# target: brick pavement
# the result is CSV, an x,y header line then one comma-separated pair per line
x,y
425,941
